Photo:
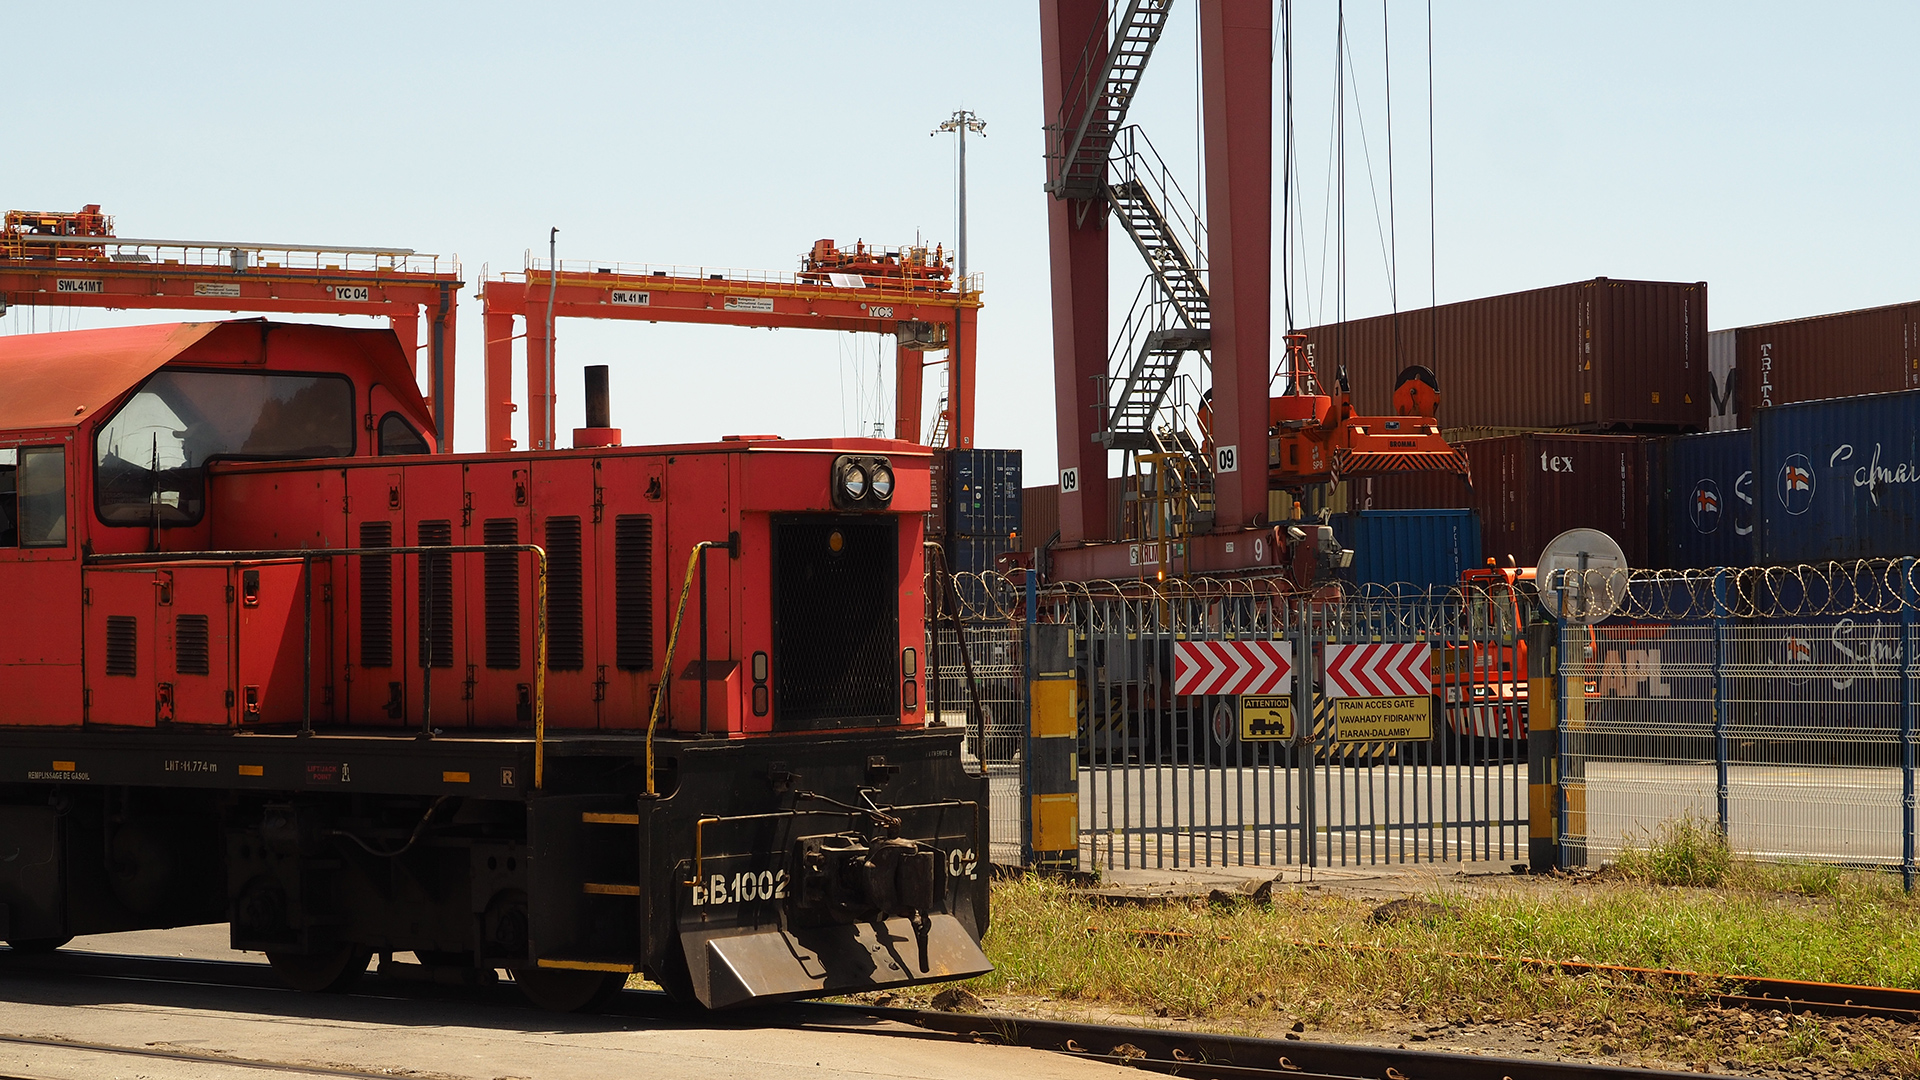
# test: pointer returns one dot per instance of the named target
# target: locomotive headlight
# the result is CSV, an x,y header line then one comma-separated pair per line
x,y
853,481
861,482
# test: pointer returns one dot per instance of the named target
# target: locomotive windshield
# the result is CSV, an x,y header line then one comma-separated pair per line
x,y
150,458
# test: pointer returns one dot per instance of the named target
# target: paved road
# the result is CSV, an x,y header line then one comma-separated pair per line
x,y
1840,813
58,1026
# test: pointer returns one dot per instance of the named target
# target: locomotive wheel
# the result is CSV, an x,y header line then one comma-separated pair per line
x,y
562,990
329,972
38,944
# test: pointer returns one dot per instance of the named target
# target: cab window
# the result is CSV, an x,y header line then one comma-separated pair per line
x,y
150,458
398,437
33,497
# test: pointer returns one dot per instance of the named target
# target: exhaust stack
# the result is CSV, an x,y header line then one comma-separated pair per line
x,y
599,430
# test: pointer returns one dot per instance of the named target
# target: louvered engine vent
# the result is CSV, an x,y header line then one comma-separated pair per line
x,y
123,645
190,651
633,591
566,626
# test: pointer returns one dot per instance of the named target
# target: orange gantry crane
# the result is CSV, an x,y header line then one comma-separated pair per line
x,y
73,259
1315,437
906,292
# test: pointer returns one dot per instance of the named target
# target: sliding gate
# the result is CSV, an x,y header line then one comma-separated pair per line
x,y
1196,750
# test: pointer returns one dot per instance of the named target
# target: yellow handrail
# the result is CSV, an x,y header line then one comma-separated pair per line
x,y
666,666
539,667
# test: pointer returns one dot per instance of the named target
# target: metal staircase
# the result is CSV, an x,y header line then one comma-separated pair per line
x,y
1163,222
937,434
1096,101
1092,153
1171,314
1149,349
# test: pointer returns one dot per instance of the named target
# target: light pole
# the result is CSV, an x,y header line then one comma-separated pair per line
x,y
548,440
961,122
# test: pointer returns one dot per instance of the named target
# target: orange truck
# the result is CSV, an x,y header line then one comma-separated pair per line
x,y
1483,680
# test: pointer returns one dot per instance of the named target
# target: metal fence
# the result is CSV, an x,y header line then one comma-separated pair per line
x,y
977,661
1169,780
1776,704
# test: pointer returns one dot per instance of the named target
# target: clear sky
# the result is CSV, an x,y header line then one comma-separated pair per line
x,y
1769,149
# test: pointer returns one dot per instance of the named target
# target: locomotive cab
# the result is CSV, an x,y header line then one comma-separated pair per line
x,y
571,714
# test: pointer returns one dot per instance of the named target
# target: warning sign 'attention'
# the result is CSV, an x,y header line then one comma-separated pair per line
x,y
1266,718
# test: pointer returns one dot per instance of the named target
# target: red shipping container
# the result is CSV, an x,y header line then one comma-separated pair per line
x,y
1599,355
1871,351
1529,489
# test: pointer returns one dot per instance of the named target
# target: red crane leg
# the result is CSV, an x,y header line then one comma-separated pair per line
x,y
1077,243
1236,74
539,390
499,380
406,326
441,324
960,380
907,366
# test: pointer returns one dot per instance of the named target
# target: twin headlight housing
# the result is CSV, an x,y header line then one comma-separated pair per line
x,y
862,482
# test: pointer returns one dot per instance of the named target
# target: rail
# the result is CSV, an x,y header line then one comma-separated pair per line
x,y
696,561
1182,1053
308,556
574,271
1156,1050
94,252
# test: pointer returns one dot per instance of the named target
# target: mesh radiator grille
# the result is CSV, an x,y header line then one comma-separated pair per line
x,y
836,621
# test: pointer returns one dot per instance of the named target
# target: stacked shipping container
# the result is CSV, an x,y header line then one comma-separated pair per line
x,y
1871,351
1841,479
1599,355
1703,511
1579,359
982,502
1793,482
1528,489
1409,549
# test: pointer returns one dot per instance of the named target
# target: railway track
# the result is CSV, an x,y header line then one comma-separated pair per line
x,y
107,1051
1173,1053
1737,991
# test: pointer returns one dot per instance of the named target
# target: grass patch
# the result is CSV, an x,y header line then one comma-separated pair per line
x,y
1685,851
1252,967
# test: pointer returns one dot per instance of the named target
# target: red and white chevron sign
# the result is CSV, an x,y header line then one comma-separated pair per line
x,y
1232,667
1355,671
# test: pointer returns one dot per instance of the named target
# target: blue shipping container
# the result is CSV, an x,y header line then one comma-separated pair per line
x,y
1703,501
1840,479
984,488
1409,549
970,559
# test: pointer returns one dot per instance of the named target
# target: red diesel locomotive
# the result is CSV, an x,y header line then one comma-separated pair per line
x,y
269,660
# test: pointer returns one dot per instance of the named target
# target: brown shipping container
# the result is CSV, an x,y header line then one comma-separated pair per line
x,y
1600,355
1872,351
1039,514
1040,511
1529,489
